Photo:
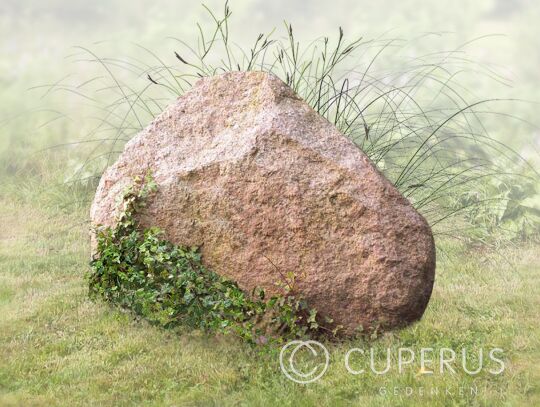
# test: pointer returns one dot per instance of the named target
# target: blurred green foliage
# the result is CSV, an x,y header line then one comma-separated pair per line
x,y
52,129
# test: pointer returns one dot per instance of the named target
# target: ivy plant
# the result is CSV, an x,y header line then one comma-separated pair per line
x,y
137,269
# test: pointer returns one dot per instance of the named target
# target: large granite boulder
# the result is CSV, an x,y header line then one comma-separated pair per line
x,y
265,186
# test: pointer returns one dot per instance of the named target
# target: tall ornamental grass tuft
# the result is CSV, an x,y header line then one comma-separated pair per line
x,y
416,122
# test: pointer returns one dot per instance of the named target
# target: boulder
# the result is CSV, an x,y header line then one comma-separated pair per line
x,y
265,186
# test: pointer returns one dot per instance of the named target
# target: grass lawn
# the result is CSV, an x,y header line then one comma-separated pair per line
x,y
59,348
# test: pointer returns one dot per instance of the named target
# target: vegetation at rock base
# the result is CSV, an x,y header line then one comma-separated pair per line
x,y
168,285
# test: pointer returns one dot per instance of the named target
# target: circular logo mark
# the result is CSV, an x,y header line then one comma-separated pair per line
x,y
298,357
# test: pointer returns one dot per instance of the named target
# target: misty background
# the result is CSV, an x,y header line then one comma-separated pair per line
x,y
498,41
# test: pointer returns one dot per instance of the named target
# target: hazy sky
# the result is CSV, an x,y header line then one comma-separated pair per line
x,y
31,29
36,36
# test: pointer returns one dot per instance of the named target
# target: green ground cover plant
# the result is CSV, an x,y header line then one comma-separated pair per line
x,y
138,270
